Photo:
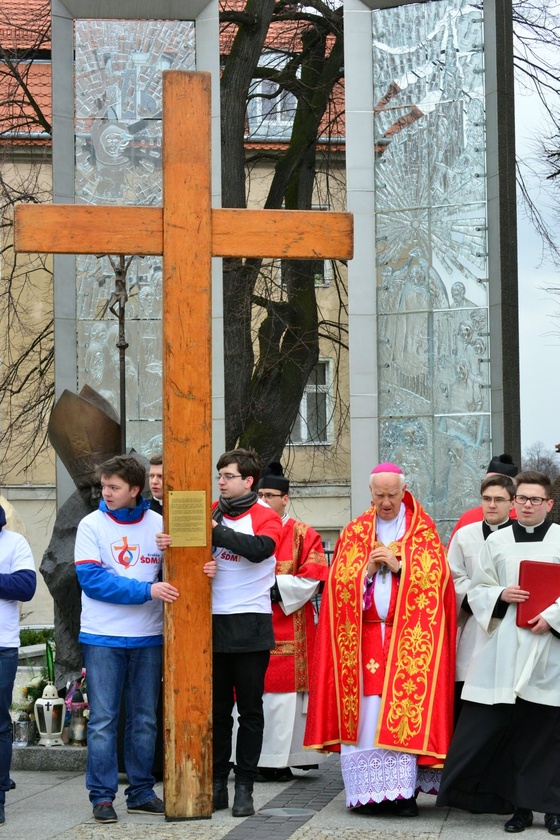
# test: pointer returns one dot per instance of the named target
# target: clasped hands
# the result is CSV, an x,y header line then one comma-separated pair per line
x,y
515,595
382,556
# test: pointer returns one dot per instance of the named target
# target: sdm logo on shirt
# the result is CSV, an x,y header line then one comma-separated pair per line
x,y
124,554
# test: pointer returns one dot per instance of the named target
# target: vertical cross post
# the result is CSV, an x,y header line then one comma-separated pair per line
x,y
187,445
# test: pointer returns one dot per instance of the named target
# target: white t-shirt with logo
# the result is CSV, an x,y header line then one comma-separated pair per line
x,y
241,586
124,550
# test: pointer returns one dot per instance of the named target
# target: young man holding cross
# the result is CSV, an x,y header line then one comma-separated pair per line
x,y
245,532
118,565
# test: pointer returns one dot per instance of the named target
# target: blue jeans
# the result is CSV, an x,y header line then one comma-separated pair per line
x,y
8,669
109,672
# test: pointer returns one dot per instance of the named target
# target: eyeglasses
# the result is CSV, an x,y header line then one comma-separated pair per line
x,y
269,495
535,500
498,500
228,476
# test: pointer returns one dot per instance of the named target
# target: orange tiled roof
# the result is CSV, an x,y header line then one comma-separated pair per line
x,y
21,21
16,112
24,26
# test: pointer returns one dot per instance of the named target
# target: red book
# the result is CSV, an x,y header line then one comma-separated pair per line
x,y
542,580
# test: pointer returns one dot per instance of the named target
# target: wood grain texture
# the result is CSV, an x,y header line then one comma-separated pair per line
x,y
299,234
187,427
89,229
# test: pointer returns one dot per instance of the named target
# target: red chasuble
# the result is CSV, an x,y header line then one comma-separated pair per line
x,y
298,553
417,664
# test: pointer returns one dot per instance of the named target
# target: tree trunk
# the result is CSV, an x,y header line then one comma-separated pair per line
x,y
263,394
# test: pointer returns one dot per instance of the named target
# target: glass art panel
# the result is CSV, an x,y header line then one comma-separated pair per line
x,y
118,130
432,250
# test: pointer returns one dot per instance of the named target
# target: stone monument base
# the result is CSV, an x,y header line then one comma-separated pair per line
x,y
50,758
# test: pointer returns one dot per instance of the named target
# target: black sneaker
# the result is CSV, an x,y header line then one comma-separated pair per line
x,y
154,806
104,812
2,816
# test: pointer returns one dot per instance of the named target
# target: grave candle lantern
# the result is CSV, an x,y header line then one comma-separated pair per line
x,y
49,716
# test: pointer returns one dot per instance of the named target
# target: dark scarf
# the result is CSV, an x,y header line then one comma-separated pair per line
x,y
127,516
2,517
234,507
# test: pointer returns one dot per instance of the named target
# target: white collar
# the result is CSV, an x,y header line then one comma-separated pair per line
x,y
499,525
531,528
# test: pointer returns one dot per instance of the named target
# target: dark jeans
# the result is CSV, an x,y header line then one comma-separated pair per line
x,y
242,673
8,669
110,672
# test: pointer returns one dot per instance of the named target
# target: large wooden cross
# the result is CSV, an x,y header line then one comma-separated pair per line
x,y
187,232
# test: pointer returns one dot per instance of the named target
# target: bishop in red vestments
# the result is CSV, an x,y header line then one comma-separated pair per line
x,y
382,687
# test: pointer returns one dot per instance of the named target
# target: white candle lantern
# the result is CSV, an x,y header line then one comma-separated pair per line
x,y
50,712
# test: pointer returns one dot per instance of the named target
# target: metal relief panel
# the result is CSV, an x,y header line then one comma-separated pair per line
x,y
118,67
409,443
458,440
431,249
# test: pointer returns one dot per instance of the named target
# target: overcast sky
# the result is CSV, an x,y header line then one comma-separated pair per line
x,y
539,332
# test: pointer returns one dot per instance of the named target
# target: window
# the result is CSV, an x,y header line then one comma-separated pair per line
x,y
323,273
314,420
270,111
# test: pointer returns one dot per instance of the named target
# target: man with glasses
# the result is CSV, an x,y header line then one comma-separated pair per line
x,y
300,567
497,492
504,755
499,465
245,533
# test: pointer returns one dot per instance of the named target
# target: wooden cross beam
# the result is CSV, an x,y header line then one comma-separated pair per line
x,y
187,232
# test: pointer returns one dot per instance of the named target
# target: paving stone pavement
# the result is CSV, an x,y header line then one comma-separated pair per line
x,y
54,804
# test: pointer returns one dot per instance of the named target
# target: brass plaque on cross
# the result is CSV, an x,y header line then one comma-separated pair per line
x,y
187,517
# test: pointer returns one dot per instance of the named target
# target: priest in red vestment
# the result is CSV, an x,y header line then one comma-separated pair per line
x,y
381,690
300,567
